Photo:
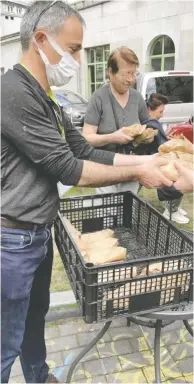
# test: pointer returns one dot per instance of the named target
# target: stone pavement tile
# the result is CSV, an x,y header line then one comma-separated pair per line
x,y
51,333
139,344
17,379
189,378
61,343
98,379
70,328
185,336
180,351
149,373
136,360
54,360
16,369
111,364
114,348
106,366
119,322
175,325
94,367
170,368
85,338
149,336
133,376
69,356
169,338
93,380
78,326
61,373
186,366
178,380
120,333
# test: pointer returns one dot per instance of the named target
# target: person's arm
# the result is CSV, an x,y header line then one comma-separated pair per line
x,y
95,175
83,150
97,140
40,144
185,182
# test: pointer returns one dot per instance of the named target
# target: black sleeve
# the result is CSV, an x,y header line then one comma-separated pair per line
x,y
26,125
83,150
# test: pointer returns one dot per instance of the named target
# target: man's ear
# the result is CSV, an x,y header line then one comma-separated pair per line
x,y
40,38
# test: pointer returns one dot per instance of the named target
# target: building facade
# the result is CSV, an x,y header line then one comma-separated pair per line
x,y
160,32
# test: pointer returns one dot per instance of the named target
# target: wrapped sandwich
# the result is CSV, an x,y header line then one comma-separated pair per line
x,y
134,130
179,143
146,136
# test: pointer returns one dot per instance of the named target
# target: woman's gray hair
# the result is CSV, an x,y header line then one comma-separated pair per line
x,y
51,20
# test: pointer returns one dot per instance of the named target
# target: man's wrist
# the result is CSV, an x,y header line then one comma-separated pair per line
x,y
137,173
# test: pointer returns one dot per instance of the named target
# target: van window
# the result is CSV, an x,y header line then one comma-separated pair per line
x,y
178,89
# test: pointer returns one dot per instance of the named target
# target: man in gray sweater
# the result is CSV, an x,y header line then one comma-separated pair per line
x,y
40,148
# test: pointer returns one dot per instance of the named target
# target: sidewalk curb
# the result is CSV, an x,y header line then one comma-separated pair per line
x,y
59,299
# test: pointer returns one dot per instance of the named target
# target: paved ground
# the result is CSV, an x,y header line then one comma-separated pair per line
x,y
124,355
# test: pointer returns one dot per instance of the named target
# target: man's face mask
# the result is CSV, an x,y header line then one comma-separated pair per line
x,y
61,73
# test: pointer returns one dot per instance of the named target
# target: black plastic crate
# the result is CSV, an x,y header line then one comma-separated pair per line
x,y
113,289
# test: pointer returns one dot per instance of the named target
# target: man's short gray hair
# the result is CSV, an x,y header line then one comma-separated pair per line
x,y
51,21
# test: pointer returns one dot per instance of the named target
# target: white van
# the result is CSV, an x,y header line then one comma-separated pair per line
x,y
177,86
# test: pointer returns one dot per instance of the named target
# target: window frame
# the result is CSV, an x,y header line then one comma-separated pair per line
x,y
96,84
161,56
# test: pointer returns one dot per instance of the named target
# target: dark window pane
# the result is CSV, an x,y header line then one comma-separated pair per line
x,y
92,88
91,70
91,56
157,47
169,63
168,45
99,73
106,72
99,54
98,85
176,88
156,64
106,55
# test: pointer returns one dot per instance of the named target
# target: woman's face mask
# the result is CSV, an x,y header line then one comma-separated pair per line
x,y
61,73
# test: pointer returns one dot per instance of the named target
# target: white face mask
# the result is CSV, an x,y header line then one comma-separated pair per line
x,y
61,73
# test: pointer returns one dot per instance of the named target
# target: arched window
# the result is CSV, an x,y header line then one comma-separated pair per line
x,y
162,54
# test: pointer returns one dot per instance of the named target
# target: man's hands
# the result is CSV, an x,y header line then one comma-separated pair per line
x,y
150,176
120,137
185,181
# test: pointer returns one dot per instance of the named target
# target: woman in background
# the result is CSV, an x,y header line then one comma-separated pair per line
x,y
156,106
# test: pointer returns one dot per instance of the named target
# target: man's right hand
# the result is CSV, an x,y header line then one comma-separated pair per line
x,y
119,137
150,176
